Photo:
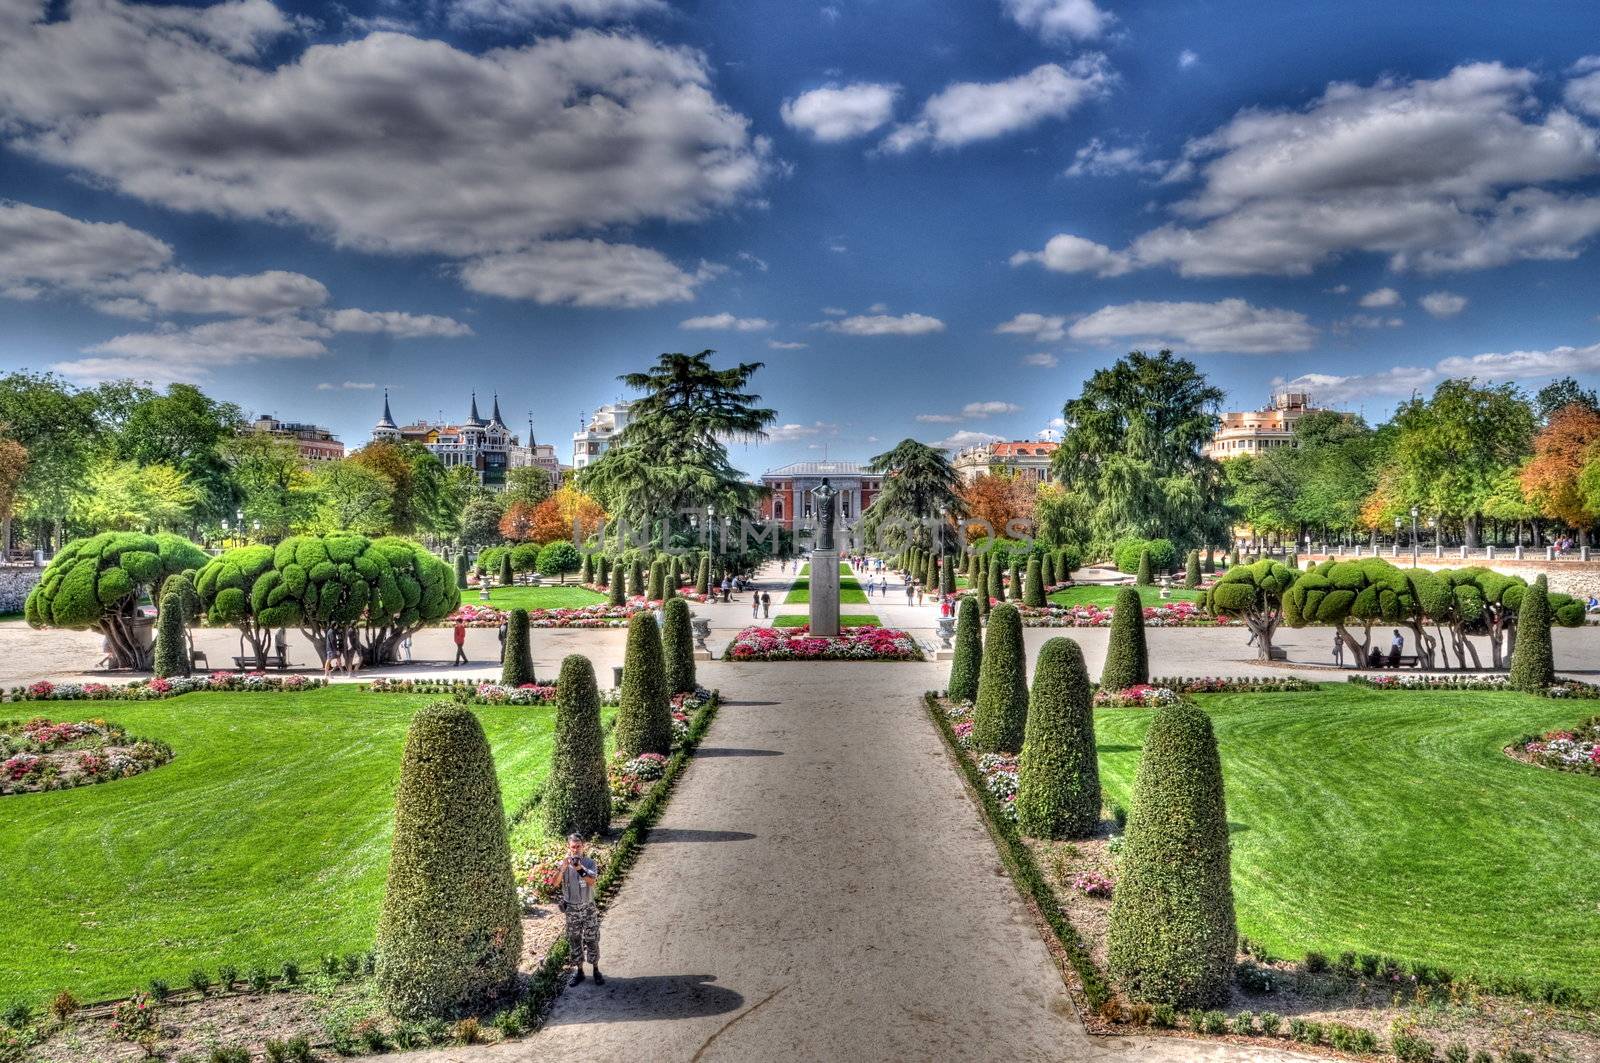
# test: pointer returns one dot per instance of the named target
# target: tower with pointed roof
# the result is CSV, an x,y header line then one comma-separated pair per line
x,y
386,429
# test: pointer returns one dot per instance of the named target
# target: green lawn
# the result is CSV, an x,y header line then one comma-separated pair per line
x,y
845,620
265,839
571,596
850,589
1393,823
1106,597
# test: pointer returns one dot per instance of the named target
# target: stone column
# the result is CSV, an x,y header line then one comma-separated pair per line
x,y
825,593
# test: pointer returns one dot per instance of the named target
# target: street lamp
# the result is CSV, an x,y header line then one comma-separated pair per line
x,y
1413,536
224,532
1397,536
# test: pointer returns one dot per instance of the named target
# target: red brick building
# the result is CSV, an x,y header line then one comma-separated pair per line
x,y
791,487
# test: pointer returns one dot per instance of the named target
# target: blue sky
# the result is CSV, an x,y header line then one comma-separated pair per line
x,y
960,210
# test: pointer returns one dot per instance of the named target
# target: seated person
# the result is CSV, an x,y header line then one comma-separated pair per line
x,y
1374,658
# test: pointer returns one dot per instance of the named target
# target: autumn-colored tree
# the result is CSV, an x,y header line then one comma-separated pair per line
x,y
554,518
1550,478
517,523
13,465
998,499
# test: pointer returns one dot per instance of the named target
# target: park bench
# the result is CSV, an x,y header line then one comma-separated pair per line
x,y
247,662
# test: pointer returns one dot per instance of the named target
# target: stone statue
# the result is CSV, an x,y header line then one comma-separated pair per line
x,y
823,497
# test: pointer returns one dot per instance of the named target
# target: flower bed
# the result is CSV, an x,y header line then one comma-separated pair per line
x,y
1223,685
1138,696
598,615
40,754
1171,614
1575,750
1565,688
797,644
156,689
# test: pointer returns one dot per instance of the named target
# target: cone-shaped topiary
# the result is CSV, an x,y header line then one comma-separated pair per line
x,y
1172,936
1211,561
947,575
677,647
635,585
653,590
462,566
450,933
996,580
1191,569
1033,589
702,579
1533,665
1047,569
586,569
517,668
1014,584
505,569
1058,786
968,659
644,717
602,572
172,648
1145,577
577,799
973,563
1001,711
1127,659
980,593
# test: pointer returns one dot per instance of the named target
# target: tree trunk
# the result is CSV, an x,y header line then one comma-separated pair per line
x,y
1423,642
1470,530
125,649
1357,648
1263,625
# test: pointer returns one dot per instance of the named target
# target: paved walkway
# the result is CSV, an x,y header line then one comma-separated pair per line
x,y
822,888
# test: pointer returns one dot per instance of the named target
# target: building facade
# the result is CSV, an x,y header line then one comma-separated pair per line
x,y
602,430
487,447
1252,432
1027,459
789,499
315,443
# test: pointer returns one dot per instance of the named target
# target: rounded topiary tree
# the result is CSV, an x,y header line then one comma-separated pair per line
x,y
559,559
644,715
1058,786
95,584
172,646
450,932
1001,711
577,798
1191,570
1127,659
1172,936
517,668
1033,590
1533,666
506,575
968,659
1145,577
677,647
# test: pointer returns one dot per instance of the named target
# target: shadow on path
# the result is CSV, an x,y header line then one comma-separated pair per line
x,y
704,752
688,834
655,996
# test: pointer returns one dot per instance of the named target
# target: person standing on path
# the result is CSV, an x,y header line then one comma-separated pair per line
x,y
911,592
461,642
502,640
755,606
332,651
1338,650
766,606
576,902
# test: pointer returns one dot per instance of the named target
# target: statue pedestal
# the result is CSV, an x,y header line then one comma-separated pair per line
x,y
825,593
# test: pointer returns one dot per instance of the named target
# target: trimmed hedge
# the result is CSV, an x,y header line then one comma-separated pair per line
x,y
506,576
461,570
1033,588
602,571
644,715
1068,561
1125,554
1001,710
702,579
996,580
450,933
1533,665
968,659
1014,581
1047,569
1127,658
172,648
1191,570
1058,785
1172,936
577,797
636,579
517,668
677,647
658,580
1145,577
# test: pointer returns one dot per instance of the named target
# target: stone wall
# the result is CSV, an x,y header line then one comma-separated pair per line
x,y
15,583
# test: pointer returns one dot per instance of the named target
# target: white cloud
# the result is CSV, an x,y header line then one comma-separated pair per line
x,y
1443,304
176,292
758,263
789,433
172,353
726,322
1583,91
1065,253
1060,20
1402,380
512,14
1381,298
395,323
387,142
835,311
348,385
972,411
1448,174
1366,321
1041,360
1226,325
1099,159
1047,328
966,112
878,308
1330,388
584,273
966,438
841,112
787,345
884,325
1187,58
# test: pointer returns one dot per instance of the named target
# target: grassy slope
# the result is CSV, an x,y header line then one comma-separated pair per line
x,y
556,597
1106,597
266,839
1392,823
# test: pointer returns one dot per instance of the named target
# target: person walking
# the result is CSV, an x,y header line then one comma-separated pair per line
x,y
919,593
352,652
332,651
576,902
280,646
911,592
766,605
755,606
1396,645
405,647
460,636
502,633
1338,650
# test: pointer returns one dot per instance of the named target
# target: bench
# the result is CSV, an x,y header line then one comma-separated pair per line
x,y
274,660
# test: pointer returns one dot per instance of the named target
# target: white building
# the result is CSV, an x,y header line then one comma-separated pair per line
x,y
603,429
1253,432
488,447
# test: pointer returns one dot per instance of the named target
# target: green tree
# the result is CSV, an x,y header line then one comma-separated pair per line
x,y
616,593
1172,937
507,574
350,498
656,589
271,482
1000,714
644,715
123,496
57,426
919,484
702,580
184,429
1533,664
1014,581
577,797
558,559
480,519
1058,785
516,667
529,485
967,663
450,932
172,647
1047,569
1561,393
677,647
1127,659
1255,594
1033,592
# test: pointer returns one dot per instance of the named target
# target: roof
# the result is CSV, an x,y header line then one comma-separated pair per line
x,y
1029,448
820,468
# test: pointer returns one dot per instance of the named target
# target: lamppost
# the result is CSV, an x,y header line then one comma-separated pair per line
x,y
1413,536
1397,536
239,523
224,533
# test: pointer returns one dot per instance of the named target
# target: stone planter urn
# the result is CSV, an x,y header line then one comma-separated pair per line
x,y
947,628
701,626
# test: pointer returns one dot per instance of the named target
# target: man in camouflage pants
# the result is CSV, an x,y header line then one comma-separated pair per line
x,y
576,900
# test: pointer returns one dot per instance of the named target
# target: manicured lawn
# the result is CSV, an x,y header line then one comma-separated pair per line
x,y
571,596
1392,823
1106,597
845,620
265,839
850,589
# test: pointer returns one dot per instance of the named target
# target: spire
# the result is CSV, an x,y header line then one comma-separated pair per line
x,y
473,420
496,420
388,418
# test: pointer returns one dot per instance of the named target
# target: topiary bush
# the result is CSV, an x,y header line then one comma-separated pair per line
x,y
462,567
1172,936
1125,554
450,933
577,798
644,716
172,647
1033,589
517,668
657,583
1014,581
947,575
1058,785
1047,568
1127,659
616,594
996,580
506,576
602,571
1145,577
968,659
1533,665
1191,570
1001,711
559,559
677,647
702,579
1068,561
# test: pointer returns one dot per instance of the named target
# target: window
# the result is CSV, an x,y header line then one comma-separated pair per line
x,y
777,508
